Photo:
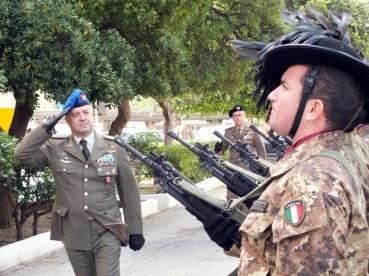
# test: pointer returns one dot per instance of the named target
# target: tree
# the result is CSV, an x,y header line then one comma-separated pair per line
x,y
182,47
29,191
46,48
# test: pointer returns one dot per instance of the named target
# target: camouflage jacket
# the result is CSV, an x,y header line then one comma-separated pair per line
x,y
311,218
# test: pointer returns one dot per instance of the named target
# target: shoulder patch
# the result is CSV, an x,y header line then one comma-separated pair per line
x,y
294,212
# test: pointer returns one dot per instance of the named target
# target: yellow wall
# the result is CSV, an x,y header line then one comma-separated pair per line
x,y
6,116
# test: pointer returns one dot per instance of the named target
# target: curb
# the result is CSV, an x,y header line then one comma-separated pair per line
x,y
38,246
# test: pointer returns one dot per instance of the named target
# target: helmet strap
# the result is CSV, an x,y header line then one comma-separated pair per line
x,y
309,83
354,117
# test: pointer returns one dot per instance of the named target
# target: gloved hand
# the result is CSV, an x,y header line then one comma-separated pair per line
x,y
136,242
221,230
218,148
51,122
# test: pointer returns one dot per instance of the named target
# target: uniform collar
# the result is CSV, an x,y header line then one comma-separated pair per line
x,y
311,146
302,140
90,140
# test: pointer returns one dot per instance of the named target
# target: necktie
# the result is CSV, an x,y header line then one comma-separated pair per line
x,y
85,151
239,132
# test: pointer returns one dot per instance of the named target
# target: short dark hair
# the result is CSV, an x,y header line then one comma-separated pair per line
x,y
342,96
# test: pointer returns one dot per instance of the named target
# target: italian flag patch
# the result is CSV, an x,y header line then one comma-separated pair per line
x,y
294,212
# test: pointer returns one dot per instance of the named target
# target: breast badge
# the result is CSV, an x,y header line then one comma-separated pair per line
x,y
106,159
108,162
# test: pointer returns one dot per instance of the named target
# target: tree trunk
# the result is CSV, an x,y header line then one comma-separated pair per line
x,y
22,114
35,223
5,209
43,209
168,121
124,114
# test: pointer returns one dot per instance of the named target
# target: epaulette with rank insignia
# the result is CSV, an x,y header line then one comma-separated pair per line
x,y
109,137
60,136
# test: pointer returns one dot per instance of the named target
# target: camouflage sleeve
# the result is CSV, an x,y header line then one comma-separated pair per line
x,y
129,194
34,149
308,233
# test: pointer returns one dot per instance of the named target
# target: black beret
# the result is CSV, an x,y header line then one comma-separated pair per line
x,y
234,109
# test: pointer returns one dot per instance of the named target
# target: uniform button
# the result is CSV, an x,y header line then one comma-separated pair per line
x,y
86,193
86,166
85,179
86,207
64,170
58,211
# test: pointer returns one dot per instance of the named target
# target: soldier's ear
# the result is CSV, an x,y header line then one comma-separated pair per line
x,y
314,110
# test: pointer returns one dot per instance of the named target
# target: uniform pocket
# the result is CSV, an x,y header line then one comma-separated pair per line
x,y
107,170
64,175
59,221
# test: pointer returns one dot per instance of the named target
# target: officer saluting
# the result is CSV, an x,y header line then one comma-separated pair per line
x,y
87,169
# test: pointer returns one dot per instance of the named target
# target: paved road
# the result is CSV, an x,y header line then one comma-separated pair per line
x,y
176,245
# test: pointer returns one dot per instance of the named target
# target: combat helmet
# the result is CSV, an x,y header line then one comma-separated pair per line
x,y
316,40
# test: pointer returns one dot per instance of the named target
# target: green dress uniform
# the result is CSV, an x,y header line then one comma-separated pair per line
x,y
243,135
86,211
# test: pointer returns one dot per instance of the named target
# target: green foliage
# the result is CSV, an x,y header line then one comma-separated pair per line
x,y
185,162
144,144
182,47
33,186
27,185
181,158
7,161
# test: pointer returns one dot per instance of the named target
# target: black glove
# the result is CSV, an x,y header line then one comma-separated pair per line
x,y
221,230
218,147
136,242
51,122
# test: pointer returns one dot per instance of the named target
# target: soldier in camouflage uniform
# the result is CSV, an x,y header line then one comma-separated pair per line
x,y
85,215
310,217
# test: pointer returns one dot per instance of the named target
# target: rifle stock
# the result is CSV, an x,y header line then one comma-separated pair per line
x,y
238,183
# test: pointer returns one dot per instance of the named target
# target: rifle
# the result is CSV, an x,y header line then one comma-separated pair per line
x,y
279,144
249,157
198,202
238,183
